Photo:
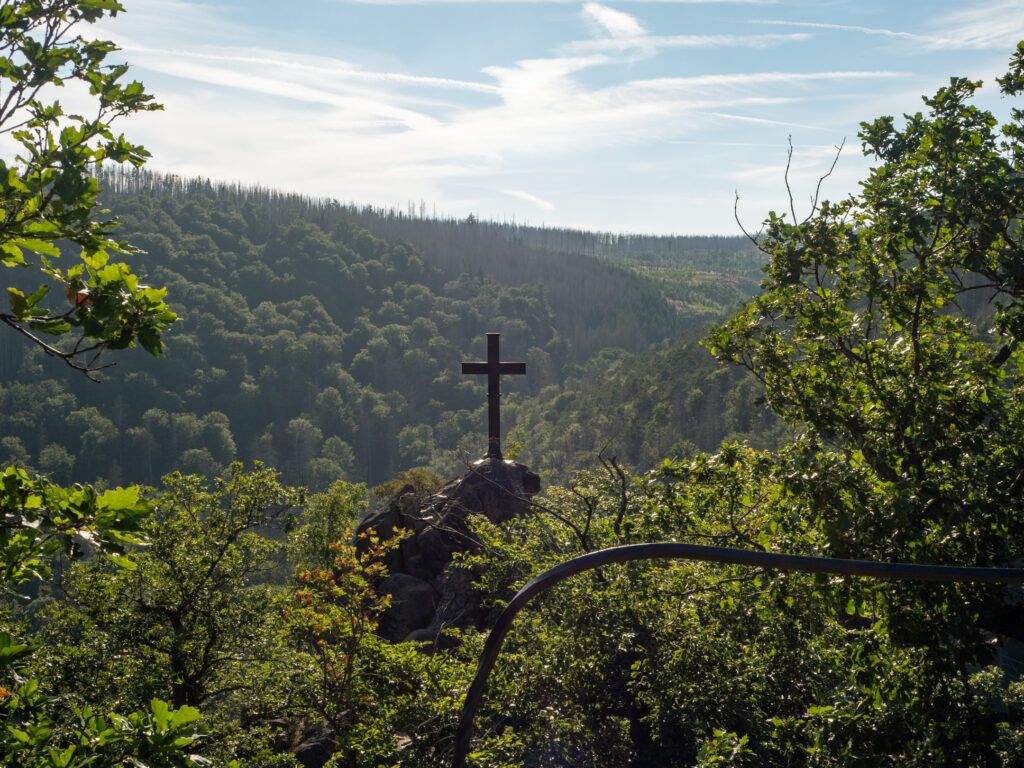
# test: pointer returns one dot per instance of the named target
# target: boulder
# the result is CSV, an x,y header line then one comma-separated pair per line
x,y
412,605
427,596
316,748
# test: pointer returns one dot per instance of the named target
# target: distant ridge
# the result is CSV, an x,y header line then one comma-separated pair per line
x,y
730,253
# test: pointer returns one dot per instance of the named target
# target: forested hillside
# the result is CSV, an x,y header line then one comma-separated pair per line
x,y
226,617
669,401
701,252
311,344
703,277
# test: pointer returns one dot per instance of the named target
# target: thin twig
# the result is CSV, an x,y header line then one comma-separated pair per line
x,y
785,176
71,358
821,179
755,239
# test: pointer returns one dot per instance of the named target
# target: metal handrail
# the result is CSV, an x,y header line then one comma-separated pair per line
x,y
674,551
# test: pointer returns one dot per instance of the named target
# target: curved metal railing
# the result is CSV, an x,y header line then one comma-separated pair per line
x,y
672,551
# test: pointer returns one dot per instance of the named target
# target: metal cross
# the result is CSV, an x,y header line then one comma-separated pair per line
x,y
493,368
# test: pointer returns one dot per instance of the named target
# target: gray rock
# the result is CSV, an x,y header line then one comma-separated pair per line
x,y
316,749
412,604
438,529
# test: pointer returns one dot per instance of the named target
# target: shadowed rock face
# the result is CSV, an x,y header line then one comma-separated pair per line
x,y
425,598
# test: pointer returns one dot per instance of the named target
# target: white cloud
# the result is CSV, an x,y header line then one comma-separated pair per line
x,y
540,202
536,83
342,151
850,28
615,23
556,2
765,121
984,25
715,83
651,44
366,109
329,126
995,24
807,164
620,32
168,19
321,66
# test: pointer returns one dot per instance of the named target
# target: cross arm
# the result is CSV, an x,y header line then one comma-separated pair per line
x,y
506,369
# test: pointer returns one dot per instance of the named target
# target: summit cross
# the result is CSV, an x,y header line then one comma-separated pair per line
x,y
494,368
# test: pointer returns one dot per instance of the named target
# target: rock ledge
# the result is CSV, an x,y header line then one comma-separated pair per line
x,y
426,596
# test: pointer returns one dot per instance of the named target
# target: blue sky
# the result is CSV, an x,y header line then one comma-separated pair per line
x,y
623,116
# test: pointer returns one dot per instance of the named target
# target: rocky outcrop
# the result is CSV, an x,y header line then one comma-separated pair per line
x,y
316,749
427,596
311,743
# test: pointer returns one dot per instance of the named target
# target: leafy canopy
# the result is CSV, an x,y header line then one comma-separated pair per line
x,y
49,194
889,328
49,204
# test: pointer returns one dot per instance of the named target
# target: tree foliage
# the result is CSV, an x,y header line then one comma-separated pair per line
x,y
189,606
889,330
332,351
333,617
886,338
208,615
49,204
49,194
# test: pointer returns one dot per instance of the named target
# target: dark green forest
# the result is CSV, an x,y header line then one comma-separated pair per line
x,y
183,586
308,343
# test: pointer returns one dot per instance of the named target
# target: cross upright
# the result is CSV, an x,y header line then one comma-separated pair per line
x,y
494,368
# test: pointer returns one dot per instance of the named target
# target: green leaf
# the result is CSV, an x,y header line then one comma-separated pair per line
x,y
53,327
183,716
10,650
123,561
38,246
822,710
122,499
160,711
11,255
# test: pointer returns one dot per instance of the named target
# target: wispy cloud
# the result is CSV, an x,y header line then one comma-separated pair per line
x,y
850,28
540,202
991,24
370,147
807,163
988,24
541,119
613,22
177,19
765,121
366,108
619,32
651,44
335,69
555,2
752,79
